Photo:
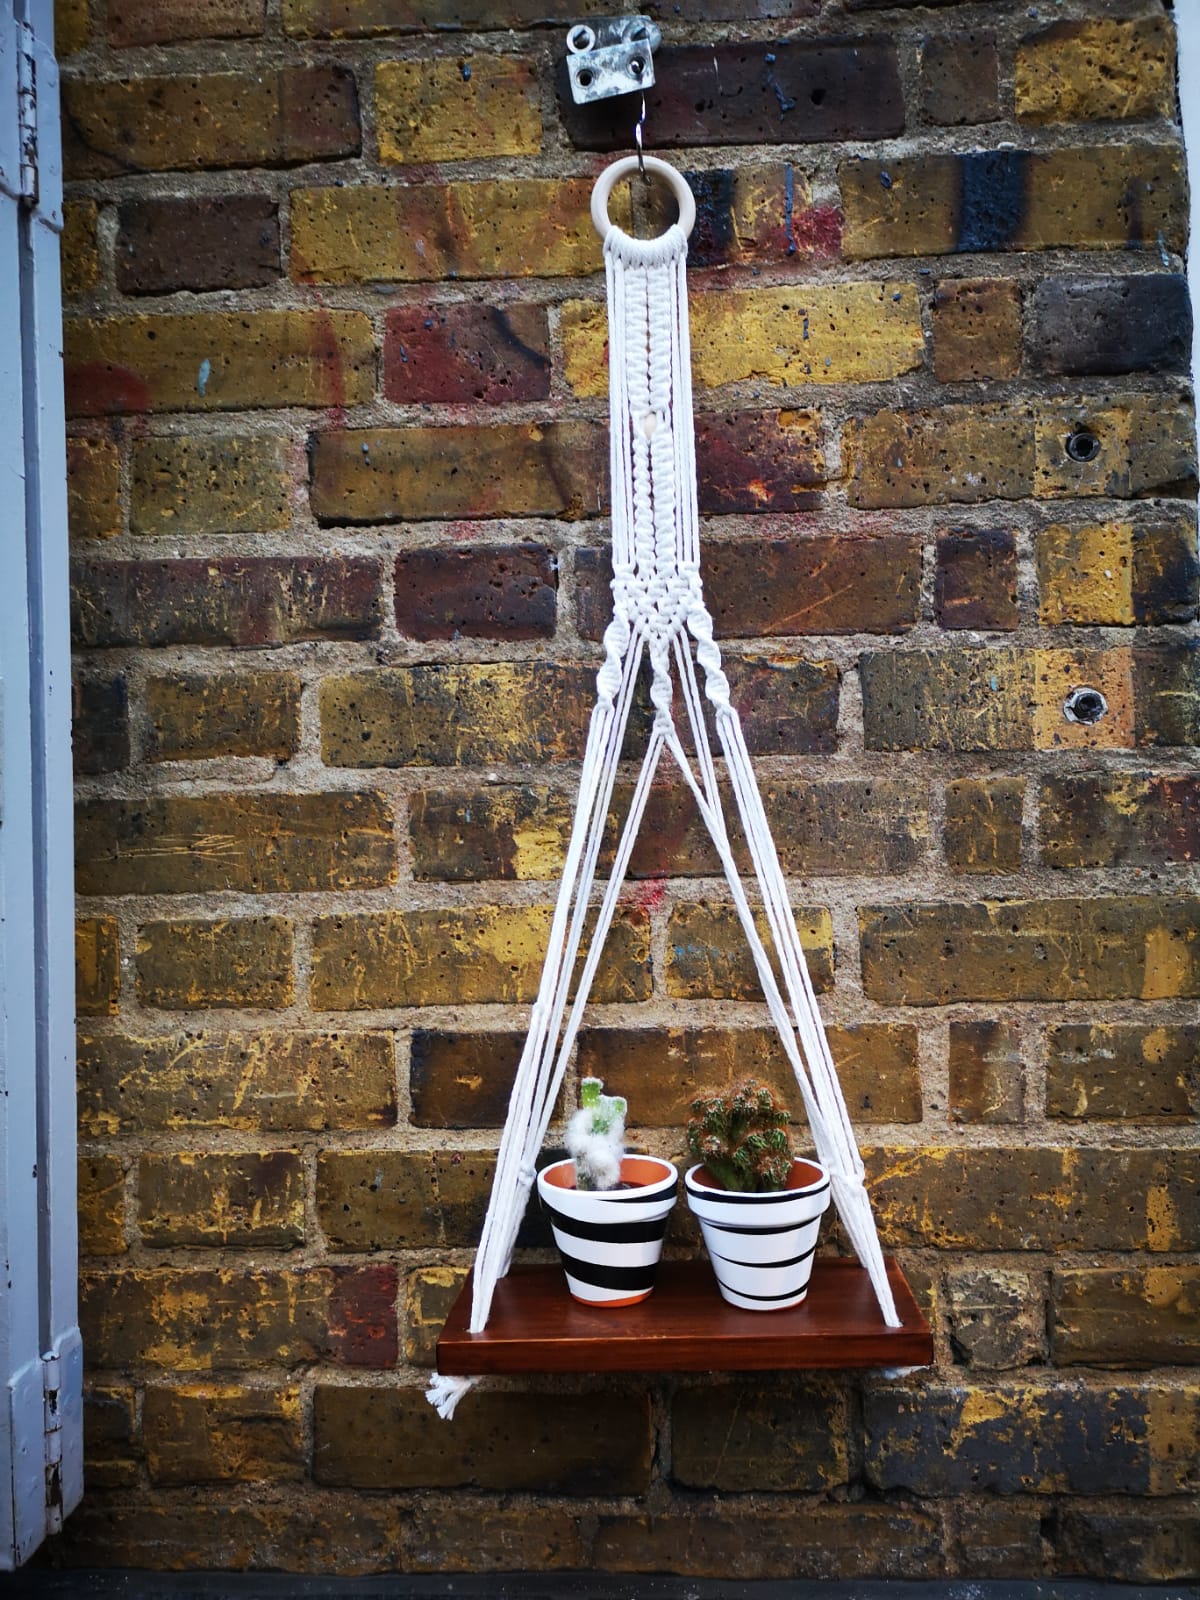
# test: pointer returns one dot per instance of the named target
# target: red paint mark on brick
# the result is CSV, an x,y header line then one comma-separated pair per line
x,y
362,1316
95,388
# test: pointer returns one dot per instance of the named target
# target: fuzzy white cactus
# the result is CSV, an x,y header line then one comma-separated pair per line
x,y
596,1137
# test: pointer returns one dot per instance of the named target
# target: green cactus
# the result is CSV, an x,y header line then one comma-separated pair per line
x,y
741,1136
596,1137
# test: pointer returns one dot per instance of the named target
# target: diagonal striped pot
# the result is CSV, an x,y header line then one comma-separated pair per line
x,y
761,1245
610,1240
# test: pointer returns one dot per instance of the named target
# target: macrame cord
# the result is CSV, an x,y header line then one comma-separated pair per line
x,y
658,606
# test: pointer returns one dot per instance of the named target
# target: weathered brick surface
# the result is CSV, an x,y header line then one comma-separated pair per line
x,y
251,602
748,212
975,585
983,824
987,1078
259,843
99,724
392,1439
744,1436
101,1182
1102,325
266,1079
97,966
1123,1317
1111,1071
1064,1439
960,78
111,1444
156,244
431,1291
193,716
976,329
241,961
218,361
1113,819
168,21
1129,1545
464,352
80,252
185,486
253,1316
243,1200
997,1318
1000,1538
454,957
493,592
461,1080
1066,949
1117,573
93,489
460,1533
1167,689
770,92
270,118
439,110
1096,70
708,957
222,1433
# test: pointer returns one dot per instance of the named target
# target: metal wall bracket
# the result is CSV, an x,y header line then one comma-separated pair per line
x,y
610,56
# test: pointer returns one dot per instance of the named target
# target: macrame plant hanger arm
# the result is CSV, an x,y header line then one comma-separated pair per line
x,y
658,614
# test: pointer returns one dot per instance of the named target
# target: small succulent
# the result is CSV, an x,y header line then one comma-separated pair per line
x,y
596,1137
741,1136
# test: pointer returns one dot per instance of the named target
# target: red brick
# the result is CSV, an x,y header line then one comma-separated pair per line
x,y
770,92
975,585
276,117
245,601
465,352
156,244
488,592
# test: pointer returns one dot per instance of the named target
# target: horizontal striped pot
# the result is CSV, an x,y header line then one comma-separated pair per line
x,y
610,1240
761,1245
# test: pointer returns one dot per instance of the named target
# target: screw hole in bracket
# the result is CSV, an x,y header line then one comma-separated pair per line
x,y
1083,446
1085,705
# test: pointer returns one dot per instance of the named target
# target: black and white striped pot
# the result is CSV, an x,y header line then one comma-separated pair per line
x,y
610,1239
761,1245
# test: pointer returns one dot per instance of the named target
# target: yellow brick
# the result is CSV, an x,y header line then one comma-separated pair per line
x,y
584,332
1102,70
219,360
80,256
456,109
511,228
97,966
222,1433
72,26
1085,575
93,489
101,1206
1056,673
228,484
1144,445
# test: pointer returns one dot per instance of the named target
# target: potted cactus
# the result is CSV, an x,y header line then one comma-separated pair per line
x,y
758,1204
608,1209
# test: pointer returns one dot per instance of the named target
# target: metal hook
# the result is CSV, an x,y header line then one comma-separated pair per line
x,y
637,139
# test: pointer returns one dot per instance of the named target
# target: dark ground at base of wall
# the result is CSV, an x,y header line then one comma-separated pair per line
x,y
42,1584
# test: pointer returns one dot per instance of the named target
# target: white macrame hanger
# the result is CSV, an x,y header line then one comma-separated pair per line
x,y
659,613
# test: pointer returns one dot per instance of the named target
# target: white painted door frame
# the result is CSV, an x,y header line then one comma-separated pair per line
x,y
41,1434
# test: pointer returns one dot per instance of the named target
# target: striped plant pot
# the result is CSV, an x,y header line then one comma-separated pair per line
x,y
610,1240
761,1245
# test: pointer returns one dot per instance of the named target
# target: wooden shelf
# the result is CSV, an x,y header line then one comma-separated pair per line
x,y
685,1326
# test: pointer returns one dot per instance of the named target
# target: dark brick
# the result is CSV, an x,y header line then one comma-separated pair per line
x,y
245,1200
754,461
765,93
1141,323
253,1317
1120,819
1128,1544
575,1444
159,248
1166,573
197,715
1059,1438
227,1433
1102,1071
987,1077
997,1318
244,961
431,1292
508,831
465,352
1036,1198
1125,1317
1000,1538
660,1070
100,724
983,824
1166,686
788,704
486,592
960,78
1099,949
244,601
746,214
267,1079
112,1450
976,580
462,1080
255,843
276,117
97,966
738,1436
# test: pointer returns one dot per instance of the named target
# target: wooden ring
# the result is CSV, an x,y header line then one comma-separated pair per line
x,y
611,176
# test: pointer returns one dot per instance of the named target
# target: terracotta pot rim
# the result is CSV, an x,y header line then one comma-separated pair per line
x,y
699,1180
551,1178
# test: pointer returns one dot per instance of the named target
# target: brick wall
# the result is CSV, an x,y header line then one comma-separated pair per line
x,y
336,380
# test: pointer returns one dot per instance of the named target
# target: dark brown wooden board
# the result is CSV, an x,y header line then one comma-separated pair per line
x,y
685,1326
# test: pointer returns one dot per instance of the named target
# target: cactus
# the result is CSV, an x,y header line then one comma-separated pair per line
x,y
596,1137
741,1136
